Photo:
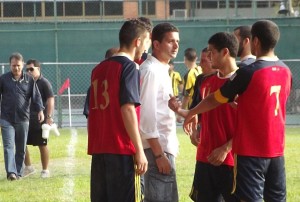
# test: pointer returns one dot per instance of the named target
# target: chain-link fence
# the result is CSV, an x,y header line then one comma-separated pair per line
x,y
79,75
67,10
38,28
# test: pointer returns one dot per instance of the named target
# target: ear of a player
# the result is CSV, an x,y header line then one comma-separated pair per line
x,y
138,42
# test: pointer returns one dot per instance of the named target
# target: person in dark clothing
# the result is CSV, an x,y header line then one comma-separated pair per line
x,y
33,67
17,90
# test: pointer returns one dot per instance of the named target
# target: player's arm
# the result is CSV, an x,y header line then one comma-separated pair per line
x,y
208,103
36,99
195,137
190,83
175,105
227,93
185,101
162,162
180,84
131,124
49,110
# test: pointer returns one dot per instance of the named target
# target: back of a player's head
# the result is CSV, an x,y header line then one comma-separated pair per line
x,y
130,30
267,32
110,52
148,22
35,62
16,56
159,31
190,54
223,40
244,31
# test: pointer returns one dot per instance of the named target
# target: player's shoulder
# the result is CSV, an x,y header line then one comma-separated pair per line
x,y
193,70
44,79
150,66
177,74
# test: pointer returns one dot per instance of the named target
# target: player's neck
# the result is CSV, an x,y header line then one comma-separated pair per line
x,y
129,52
269,54
208,71
228,68
160,58
246,56
191,65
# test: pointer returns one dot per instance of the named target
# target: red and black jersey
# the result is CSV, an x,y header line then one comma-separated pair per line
x,y
217,125
142,59
263,88
114,82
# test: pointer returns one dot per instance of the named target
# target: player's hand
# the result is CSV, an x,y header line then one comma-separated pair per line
x,y
140,162
49,121
174,103
217,156
41,116
195,140
164,165
190,124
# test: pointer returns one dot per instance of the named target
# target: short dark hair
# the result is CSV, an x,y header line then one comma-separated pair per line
x,y
245,31
267,33
204,50
16,56
36,63
222,40
110,52
130,30
148,22
190,54
159,31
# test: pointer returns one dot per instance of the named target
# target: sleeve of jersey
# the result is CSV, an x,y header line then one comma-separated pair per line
x,y
130,85
48,88
179,78
219,97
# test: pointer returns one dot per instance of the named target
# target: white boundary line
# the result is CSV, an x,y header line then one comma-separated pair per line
x,y
68,188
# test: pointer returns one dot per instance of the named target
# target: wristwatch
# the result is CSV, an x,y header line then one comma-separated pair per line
x,y
49,116
159,156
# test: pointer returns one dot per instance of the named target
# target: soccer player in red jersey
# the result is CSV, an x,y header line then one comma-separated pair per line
x,y
263,88
113,135
213,176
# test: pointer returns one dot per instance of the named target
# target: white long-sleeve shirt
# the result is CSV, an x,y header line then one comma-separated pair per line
x,y
157,120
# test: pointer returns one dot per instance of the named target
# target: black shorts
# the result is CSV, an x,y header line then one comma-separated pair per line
x,y
35,132
113,178
261,178
212,183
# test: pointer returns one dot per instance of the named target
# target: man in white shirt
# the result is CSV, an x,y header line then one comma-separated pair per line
x,y
157,121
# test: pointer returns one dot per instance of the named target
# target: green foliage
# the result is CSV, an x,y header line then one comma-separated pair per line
x,y
70,170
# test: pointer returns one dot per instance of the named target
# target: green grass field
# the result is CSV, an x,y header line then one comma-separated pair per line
x,y
70,170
